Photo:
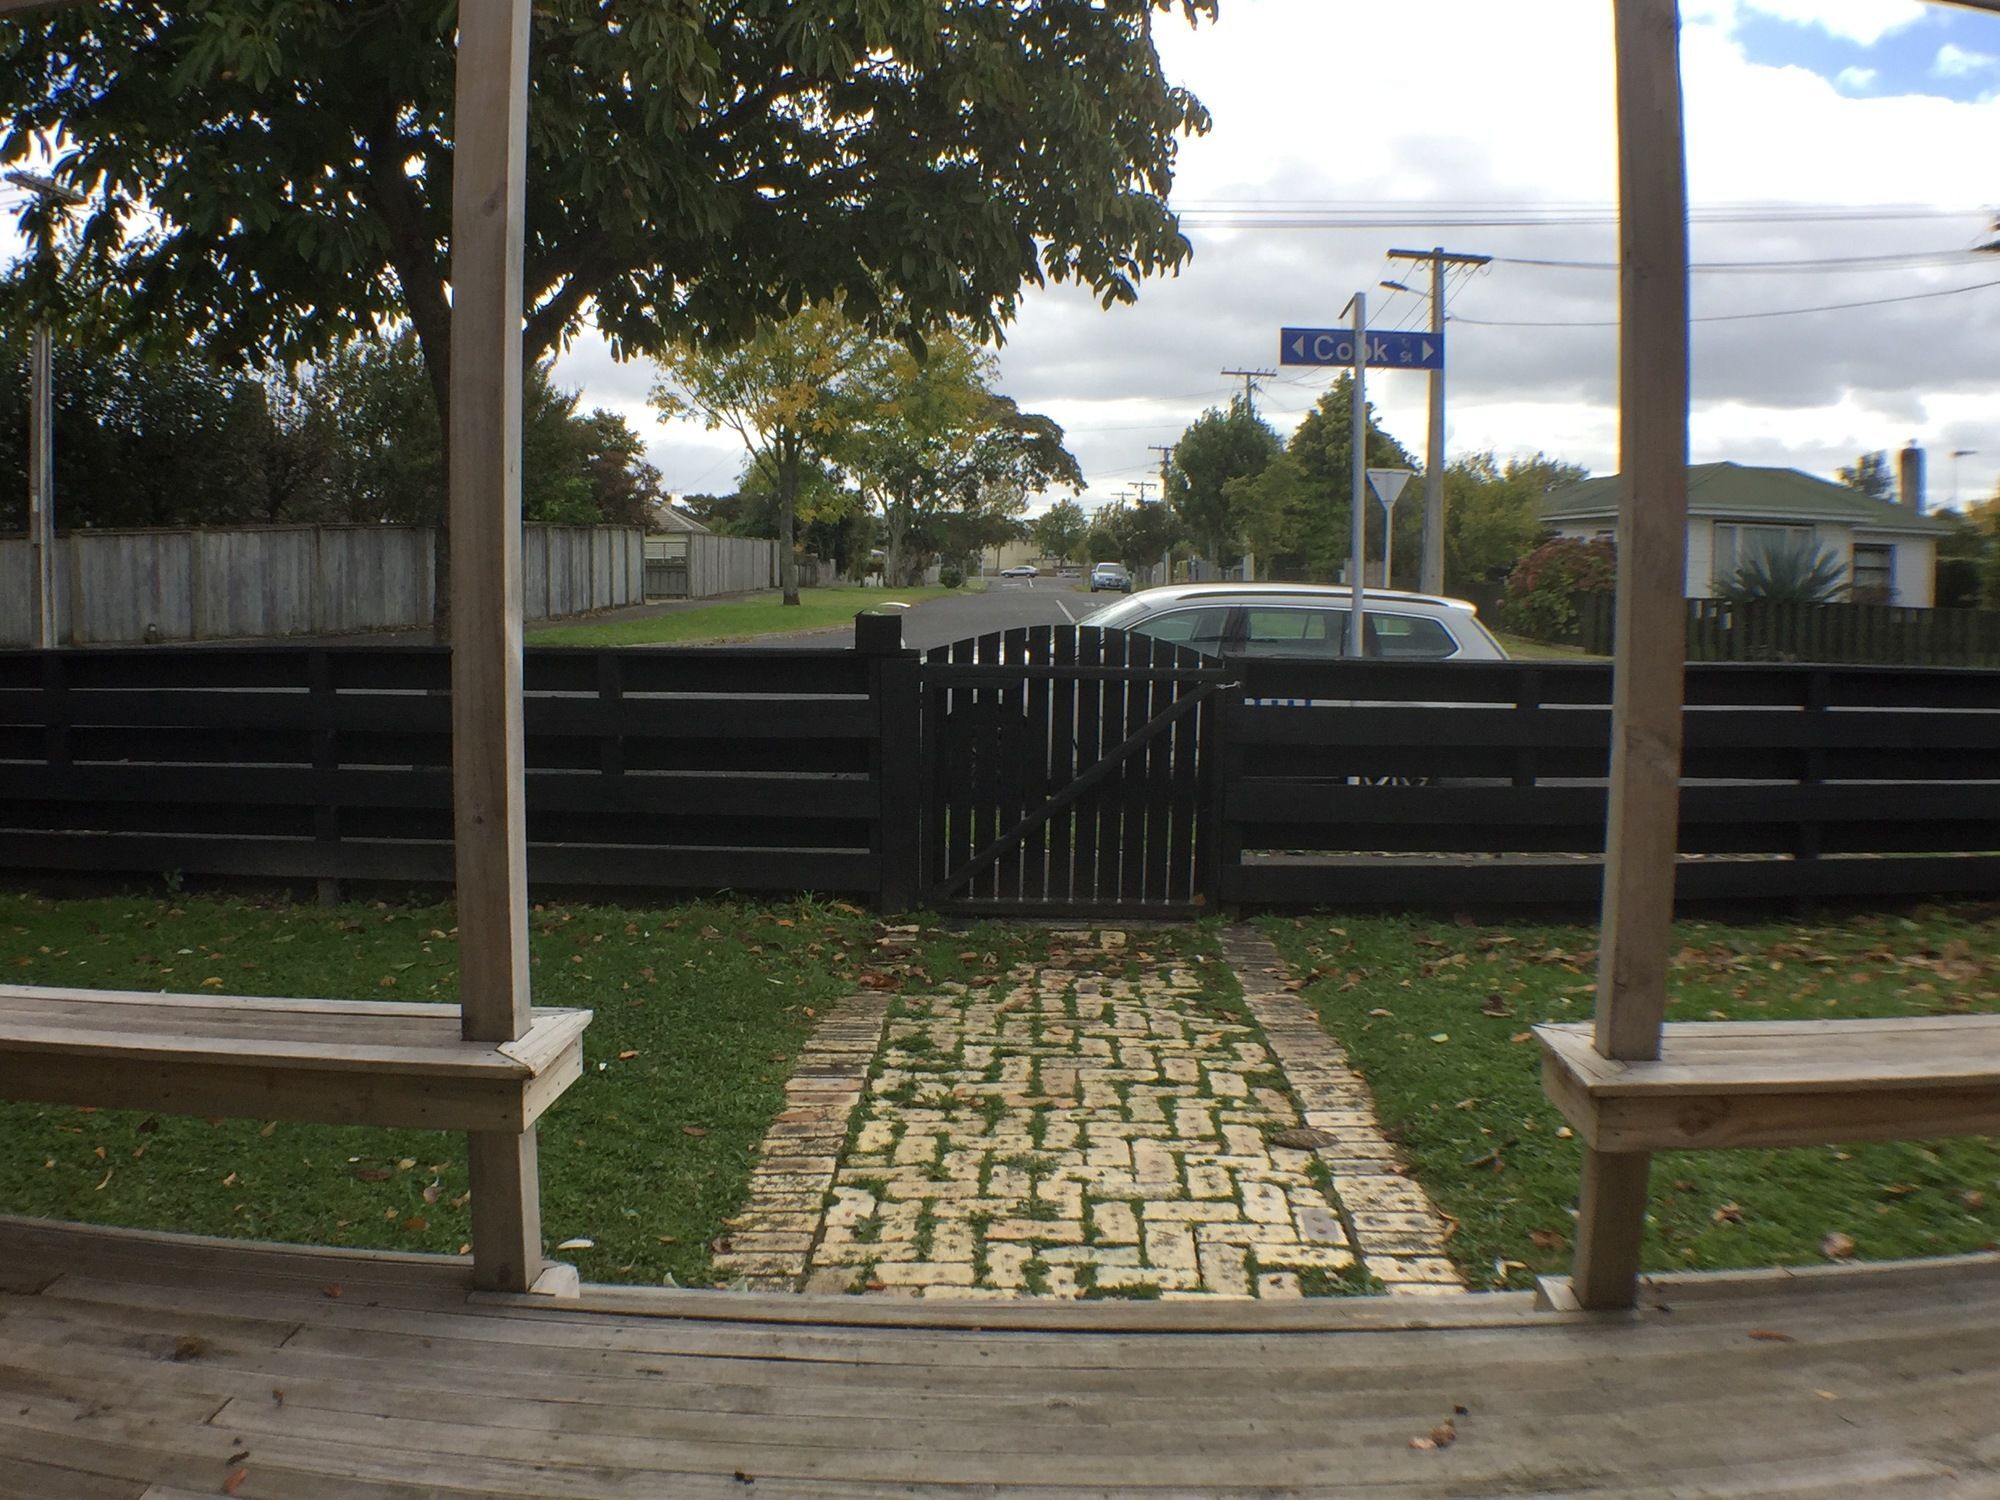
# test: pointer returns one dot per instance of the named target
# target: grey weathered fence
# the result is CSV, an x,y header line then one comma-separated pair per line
x,y
697,565
267,582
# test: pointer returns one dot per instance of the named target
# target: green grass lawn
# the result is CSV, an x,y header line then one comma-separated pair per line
x,y
1436,1016
736,620
700,1012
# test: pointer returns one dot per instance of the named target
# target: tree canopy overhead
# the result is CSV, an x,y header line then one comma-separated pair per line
x,y
274,174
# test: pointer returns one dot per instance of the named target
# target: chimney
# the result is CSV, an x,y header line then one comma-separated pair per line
x,y
1910,478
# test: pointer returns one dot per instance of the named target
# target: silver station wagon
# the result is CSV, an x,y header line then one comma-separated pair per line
x,y
1300,620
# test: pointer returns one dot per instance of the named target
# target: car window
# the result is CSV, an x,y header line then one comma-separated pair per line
x,y
1410,638
1197,629
1292,632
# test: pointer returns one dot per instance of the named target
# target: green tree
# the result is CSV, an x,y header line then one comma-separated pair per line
x,y
1062,530
1314,521
947,461
1218,447
1871,474
269,178
1493,512
787,392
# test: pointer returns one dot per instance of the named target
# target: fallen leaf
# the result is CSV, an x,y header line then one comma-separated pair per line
x,y
1729,1213
270,1129
1494,1005
1827,1395
1837,1246
1440,1036
1522,1036
577,1244
1974,1200
666,1239
230,1180
1423,1444
189,1346
1302,1138
213,982
1445,1434
331,1289
1563,1132
694,1130
235,1481
416,1225
1770,1336
1547,1239
407,1164
1381,1014
628,1054
373,1174
430,1194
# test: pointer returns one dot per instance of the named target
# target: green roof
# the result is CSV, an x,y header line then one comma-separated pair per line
x,y
1738,492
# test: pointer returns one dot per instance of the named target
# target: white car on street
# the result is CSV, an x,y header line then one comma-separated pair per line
x,y
1303,620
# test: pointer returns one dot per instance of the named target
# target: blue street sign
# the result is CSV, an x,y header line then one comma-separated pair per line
x,y
1386,351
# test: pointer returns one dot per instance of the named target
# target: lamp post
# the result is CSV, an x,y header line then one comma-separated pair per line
x,y
1956,455
42,423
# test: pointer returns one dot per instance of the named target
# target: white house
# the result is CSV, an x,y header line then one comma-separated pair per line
x,y
1734,511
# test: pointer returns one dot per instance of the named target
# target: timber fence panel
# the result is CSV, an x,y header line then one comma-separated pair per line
x,y
647,771
1392,784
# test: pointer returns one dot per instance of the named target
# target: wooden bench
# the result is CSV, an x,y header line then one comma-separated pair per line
x,y
330,1062
1725,1084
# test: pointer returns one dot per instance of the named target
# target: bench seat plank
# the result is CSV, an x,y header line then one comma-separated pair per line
x,y
325,1061
1780,1083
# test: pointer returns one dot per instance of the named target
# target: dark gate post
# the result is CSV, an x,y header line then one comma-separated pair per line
x,y
893,683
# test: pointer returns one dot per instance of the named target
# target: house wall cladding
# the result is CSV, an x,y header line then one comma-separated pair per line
x,y
268,582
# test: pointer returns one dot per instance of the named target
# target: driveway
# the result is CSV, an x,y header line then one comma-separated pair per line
x,y
1006,604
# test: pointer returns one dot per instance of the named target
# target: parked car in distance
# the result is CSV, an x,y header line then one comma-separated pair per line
x,y
1025,570
1110,576
1303,620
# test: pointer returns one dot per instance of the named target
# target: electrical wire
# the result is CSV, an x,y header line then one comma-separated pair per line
x,y
1831,264
1779,312
1306,214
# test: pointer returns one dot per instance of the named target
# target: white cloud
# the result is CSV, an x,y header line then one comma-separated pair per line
x,y
1863,21
1854,80
1954,61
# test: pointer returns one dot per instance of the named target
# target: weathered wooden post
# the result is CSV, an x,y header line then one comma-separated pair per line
x,y
489,156
1642,833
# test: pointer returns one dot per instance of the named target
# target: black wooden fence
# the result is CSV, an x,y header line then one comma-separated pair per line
x,y
1768,630
1482,784
646,770
1259,782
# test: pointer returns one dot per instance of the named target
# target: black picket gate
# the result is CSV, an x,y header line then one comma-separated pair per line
x,y
1065,770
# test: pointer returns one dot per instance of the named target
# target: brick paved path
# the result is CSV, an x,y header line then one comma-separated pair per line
x,y
1073,1131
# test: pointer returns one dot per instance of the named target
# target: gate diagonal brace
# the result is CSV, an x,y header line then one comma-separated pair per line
x,y
1011,840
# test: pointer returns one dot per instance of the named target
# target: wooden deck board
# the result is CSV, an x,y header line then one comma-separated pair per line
x,y
405,1386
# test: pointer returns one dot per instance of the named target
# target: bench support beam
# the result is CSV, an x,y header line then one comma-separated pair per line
x,y
1643,822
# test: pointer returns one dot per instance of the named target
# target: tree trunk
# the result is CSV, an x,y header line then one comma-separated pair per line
x,y
788,491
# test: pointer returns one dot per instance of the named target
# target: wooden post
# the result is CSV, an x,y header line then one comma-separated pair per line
x,y
1643,826
488,795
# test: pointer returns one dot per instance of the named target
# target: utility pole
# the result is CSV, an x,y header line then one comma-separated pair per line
x,y
1357,620
1166,452
1250,379
1431,574
42,415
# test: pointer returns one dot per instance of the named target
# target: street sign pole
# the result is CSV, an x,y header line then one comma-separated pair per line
x,y
1357,622
1388,487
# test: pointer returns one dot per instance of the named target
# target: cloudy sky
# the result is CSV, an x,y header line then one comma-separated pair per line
x,y
1820,131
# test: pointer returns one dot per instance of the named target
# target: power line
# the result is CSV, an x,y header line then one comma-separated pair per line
x,y
1780,312
1908,261
1306,214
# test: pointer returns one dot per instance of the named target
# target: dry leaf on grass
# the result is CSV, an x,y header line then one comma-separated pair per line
x,y
1837,1246
694,1130
1729,1213
577,1244
1547,1239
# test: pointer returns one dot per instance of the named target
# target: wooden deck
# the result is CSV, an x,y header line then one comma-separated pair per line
x,y
141,1367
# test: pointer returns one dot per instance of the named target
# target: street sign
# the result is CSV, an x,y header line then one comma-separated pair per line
x,y
1388,484
1386,351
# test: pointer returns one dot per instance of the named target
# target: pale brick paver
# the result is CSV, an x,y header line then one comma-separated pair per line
x,y
1389,1219
1074,1129
768,1243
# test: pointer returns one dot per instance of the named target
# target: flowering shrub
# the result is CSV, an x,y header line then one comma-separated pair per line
x,y
1540,602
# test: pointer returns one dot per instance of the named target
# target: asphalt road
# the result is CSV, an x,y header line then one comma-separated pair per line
x,y
1004,604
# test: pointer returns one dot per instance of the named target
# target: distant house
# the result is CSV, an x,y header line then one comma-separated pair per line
x,y
1735,511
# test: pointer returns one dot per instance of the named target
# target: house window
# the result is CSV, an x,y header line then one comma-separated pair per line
x,y
1736,545
1874,573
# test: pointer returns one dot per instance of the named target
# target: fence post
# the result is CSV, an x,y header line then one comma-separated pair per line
x,y
1221,764
325,718
1806,843
895,685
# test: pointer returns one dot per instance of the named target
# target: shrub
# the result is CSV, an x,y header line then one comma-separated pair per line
x,y
1540,602
1786,575
950,575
